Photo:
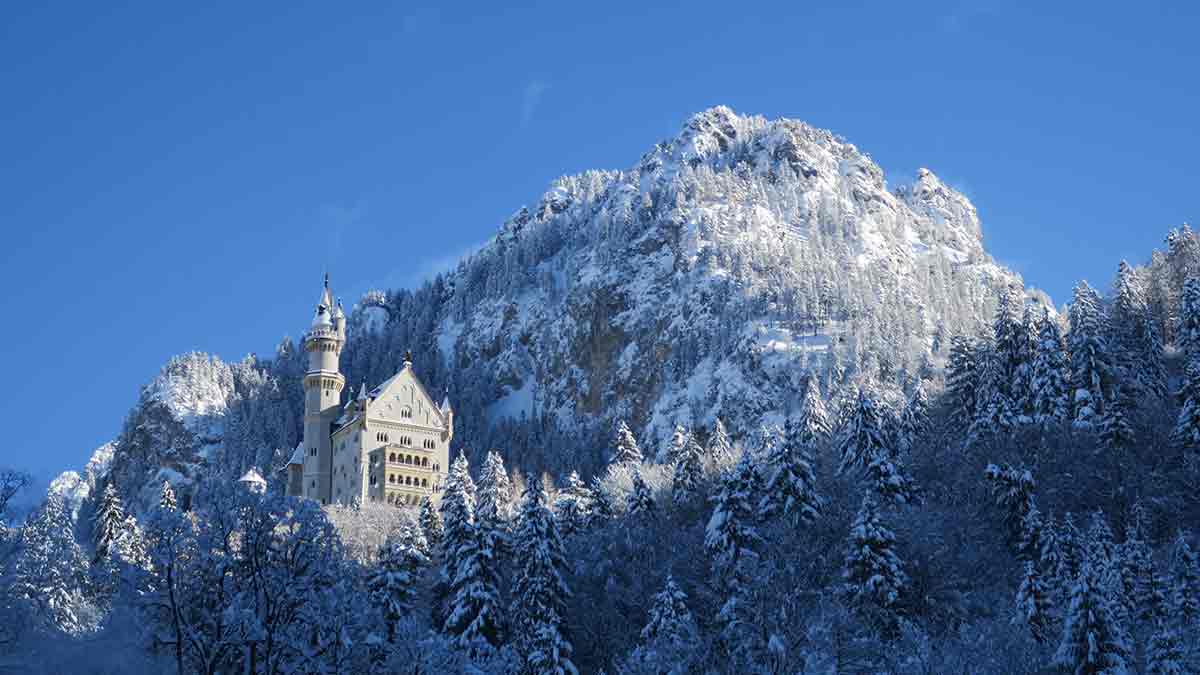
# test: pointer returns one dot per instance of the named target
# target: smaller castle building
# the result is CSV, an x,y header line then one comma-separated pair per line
x,y
389,444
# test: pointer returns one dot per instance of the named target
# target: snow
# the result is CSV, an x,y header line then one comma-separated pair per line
x,y
73,490
513,404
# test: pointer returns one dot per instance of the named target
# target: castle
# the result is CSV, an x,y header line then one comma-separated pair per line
x,y
388,445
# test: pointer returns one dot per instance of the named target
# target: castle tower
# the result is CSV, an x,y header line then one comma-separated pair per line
x,y
323,385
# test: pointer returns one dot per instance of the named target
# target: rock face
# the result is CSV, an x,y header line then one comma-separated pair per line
x,y
729,264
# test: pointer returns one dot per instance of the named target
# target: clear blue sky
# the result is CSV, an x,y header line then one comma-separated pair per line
x,y
168,170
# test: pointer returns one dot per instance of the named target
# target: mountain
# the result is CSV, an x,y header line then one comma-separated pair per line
x,y
710,279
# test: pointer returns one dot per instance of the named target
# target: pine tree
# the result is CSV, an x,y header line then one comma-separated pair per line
x,y
689,473
865,444
1033,603
874,573
1187,582
914,419
166,498
1116,433
994,411
1092,642
392,584
641,501
1137,567
1071,548
602,511
430,519
109,522
1091,368
670,636
791,485
1013,490
730,540
573,506
1127,316
720,448
679,439
812,420
539,590
1008,344
493,512
469,567
1186,434
670,620
962,377
627,450
1187,333
1051,391
49,572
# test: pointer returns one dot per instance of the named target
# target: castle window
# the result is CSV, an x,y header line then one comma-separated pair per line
x,y
392,457
425,462
391,479
408,459
408,480
424,482
406,413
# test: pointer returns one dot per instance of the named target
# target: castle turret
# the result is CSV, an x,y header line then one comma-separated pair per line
x,y
323,385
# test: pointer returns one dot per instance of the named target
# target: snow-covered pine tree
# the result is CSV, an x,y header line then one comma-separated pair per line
x,y
812,419
873,573
731,540
1091,362
1137,567
791,485
688,473
670,635
573,505
109,521
1050,556
962,377
914,419
50,570
641,501
1009,342
1013,489
1186,596
994,411
626,450
539,591
866,444
1186,434
1187,333
1151,370
1051,390
166,497
1116,433
469,567
1092,641
493,510
1126,312
1033,603
720,448
392,583
602,511
669,452
1070,545
430,519
1032,529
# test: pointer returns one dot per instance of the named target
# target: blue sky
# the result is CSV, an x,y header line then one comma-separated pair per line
x,y
176,177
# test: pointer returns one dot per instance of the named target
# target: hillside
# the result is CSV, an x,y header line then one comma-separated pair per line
x,y
711,278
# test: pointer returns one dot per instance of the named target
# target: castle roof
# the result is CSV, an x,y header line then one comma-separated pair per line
x,y
297,455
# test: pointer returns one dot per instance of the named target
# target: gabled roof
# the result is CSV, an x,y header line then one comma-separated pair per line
x,y
297,455
406,372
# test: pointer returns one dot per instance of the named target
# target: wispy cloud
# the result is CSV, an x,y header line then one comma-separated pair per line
x,y
530,99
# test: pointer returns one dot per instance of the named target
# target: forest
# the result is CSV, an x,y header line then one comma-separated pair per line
x,y
1029,507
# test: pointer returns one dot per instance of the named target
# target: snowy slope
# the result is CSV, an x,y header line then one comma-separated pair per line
x,y
710,278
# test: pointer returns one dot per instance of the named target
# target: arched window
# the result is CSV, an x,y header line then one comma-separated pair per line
x,y
391,479
392,457
425,462
408,459
424,482
408,480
